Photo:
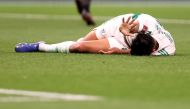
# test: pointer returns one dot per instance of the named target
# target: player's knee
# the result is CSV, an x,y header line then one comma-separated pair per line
x,y
81,39
78,47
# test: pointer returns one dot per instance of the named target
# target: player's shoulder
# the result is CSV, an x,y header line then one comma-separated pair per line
x,y
126,15
137,16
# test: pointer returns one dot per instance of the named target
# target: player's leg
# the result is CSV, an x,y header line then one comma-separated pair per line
x,y
59,47
62,47
92,46
86,15
79,6
83,5
90,36
86,5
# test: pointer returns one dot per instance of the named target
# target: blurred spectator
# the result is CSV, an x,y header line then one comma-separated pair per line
x,y
83,7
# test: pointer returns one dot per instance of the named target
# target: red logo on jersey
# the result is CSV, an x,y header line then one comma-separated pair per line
x,y
145,28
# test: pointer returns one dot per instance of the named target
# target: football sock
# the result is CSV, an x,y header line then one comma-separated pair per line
x,y
62,47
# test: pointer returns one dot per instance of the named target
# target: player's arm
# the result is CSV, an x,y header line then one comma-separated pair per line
x,y
115,51
128,28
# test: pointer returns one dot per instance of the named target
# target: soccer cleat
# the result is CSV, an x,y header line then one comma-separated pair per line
x,y
28,47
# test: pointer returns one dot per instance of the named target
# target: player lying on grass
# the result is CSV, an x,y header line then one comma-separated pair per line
x,y
135,34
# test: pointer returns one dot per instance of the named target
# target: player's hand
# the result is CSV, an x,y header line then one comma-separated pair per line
x,y
114,50
110,51
127,28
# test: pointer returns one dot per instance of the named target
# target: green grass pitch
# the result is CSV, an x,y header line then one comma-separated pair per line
x,y
125,82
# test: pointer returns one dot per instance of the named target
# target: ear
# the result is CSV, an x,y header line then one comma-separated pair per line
x,y
156,46
153,50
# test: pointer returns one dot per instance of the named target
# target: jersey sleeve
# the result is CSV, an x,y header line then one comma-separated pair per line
x,y
146,23
141,23
161,52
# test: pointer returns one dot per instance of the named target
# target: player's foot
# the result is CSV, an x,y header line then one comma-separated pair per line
x,y
88,18
27,47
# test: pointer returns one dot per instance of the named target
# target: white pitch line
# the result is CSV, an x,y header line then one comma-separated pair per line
x,y
50,95
39,16
73,17
8,99
175,21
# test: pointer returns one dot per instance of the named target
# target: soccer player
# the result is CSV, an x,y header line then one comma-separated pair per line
x,y
83,7
135,34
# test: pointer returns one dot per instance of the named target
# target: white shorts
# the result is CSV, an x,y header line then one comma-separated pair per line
x,y
114,43
110,30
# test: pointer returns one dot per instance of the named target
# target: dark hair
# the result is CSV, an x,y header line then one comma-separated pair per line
x,y
142,45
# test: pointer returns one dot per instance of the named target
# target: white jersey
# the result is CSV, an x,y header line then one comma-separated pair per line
x,y
147,23
110,30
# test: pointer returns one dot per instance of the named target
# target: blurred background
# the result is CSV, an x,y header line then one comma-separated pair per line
x,y
100,0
